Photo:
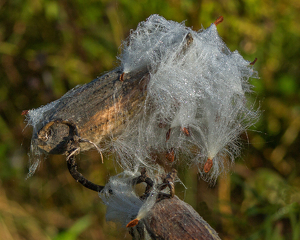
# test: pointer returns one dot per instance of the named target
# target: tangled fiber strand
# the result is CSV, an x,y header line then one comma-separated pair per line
x,y
123,203
196,96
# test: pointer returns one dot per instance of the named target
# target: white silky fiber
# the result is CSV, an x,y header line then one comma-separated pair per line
x,y
196,101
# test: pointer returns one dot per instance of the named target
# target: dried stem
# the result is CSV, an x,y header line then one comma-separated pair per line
x,y
72,166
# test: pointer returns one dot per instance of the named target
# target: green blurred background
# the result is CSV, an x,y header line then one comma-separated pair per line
x,y
47,47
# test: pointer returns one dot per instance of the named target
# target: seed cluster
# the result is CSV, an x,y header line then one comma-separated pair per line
x,y
196,106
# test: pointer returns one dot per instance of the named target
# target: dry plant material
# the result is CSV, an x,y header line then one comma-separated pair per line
x,y
253,62
72,166
208,165
168,134
195,81
219,20
122,77
190,79
123,203
24,112
170,155
186,131
133,223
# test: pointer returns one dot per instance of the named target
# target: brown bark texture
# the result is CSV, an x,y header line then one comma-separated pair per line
x,y
173,219
89,114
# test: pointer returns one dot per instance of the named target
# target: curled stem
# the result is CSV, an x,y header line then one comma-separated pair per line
x,y
144,178
72,166
168,181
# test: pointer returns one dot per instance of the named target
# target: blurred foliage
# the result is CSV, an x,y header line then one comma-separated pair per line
x,y
47,47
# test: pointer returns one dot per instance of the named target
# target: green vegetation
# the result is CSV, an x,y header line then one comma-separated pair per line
x,y
47,47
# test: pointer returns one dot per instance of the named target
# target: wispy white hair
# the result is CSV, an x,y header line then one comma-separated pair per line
x,y
123,203
197,96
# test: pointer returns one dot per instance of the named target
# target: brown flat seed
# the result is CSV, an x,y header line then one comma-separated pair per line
x,y
254,61
170,155
208,165
186,131
132,223
168,135
24,112
122,77
219,20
